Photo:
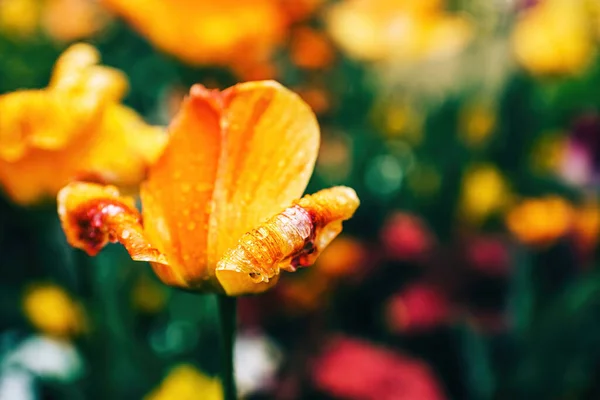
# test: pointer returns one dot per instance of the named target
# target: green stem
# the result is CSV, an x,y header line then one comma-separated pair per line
x,y
227,321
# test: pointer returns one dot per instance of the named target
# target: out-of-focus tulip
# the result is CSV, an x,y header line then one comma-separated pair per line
x,y
26,17
581,158
225,32
343,257
540,221
19,17
548,153
186,382
488,255
148,296
75,128
418,307
376,30
405,237
354,369
586,225
86,18
310,49
554,37
51,310
484,191
220,209
477,122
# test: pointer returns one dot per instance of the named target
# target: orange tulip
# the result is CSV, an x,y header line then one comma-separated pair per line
x,y
223,32
219,210
73,128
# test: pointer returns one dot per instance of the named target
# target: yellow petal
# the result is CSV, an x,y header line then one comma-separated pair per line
x,y
123,147
293,238
35,118
93,215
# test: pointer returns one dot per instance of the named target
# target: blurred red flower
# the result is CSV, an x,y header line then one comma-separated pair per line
x,y
406,237
358,370
419,307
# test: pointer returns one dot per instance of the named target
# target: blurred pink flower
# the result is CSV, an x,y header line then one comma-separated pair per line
x,y
355,369
406,237
581,165
421,306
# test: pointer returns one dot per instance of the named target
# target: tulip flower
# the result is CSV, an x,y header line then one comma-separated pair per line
x,y
74,128
198,32
220,208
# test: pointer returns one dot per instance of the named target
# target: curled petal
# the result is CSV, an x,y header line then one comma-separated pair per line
x,y
288,240
93,215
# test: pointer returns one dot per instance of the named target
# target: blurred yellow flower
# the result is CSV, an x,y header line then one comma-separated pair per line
x,y
51,310
186,382
148,295
554,37
74,128
477,122
19,17
26,17
220,208
225,32
540,221
548,153
375,30
484,191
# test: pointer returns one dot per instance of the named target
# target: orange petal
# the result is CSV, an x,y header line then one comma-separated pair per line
x,y
272,141
233,160
93,215
176,197
291,239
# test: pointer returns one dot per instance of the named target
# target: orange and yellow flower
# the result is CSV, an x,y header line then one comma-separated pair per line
x,y
541,221
74,128
27,17
218,208
225,32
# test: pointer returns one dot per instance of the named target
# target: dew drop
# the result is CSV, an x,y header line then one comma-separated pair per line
x,y
191,225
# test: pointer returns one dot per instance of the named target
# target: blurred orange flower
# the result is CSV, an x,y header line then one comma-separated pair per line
x,y
226,32
540,221
25,17
218,206
73,128
311,49
554,37
376,30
